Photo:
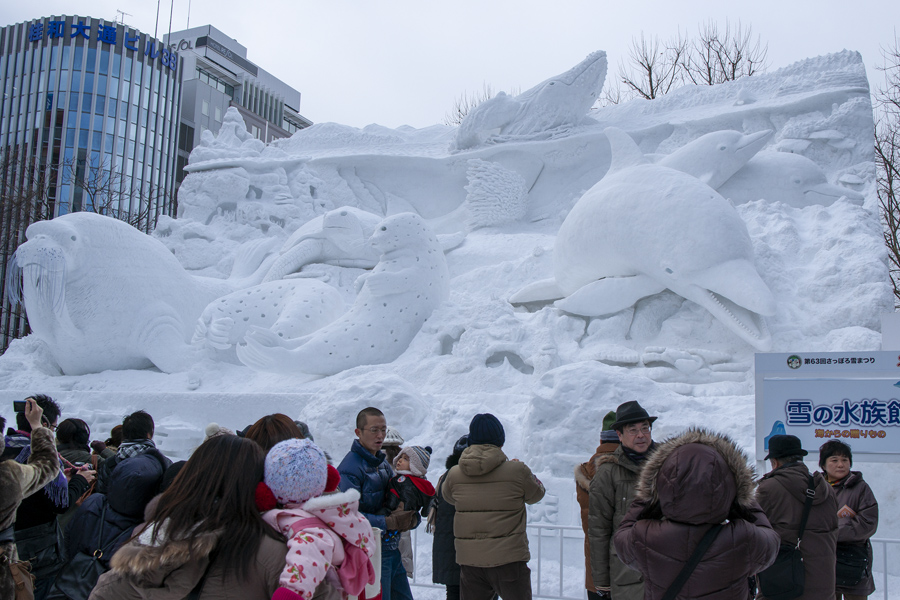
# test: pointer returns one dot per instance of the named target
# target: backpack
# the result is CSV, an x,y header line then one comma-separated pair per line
x,y
356,571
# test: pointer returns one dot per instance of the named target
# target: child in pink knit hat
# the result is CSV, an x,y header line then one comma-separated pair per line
x,y
326,534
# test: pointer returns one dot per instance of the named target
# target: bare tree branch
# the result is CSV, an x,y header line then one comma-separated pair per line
x,y
887,159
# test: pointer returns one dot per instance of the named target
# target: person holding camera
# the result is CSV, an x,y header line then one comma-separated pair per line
x,y
19,481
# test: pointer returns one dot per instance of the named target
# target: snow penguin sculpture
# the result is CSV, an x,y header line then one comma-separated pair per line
x,y
394,300
646,228
102,295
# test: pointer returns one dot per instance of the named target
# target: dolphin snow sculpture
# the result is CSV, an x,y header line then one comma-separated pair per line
x,y
560,101
716,156
784,177
646,228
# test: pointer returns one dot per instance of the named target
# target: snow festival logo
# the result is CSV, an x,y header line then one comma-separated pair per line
x,y
794,361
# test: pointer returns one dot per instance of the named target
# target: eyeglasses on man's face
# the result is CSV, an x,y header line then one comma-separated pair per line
x,y
635,429
376,430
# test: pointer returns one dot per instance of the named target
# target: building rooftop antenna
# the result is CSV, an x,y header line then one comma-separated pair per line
x,y
120,16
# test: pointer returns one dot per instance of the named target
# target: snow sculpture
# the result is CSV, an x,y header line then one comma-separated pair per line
x,y
290,309
102,295
784,177
395,299
339,237
716,156
646,228
557,103
233,141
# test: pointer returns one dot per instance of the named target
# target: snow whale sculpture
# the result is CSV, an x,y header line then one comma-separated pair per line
x,y
646,228
561,101
291,309
784,177
714,157
339,237
394,300
102,295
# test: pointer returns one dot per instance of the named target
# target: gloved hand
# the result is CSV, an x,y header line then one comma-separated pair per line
x,y
98,446
400,520
604,594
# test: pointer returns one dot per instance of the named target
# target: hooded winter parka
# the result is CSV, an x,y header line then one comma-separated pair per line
x,y
490,493
692,482
856,494
781,493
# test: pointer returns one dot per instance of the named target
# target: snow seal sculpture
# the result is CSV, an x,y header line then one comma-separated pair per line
x,y
395,299
102,295
289,308
646,228
561,101
339,237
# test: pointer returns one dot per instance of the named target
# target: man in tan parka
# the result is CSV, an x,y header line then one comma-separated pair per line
x,y
490,493
18,481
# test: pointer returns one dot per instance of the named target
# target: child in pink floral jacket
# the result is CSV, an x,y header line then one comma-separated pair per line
x,y
326,534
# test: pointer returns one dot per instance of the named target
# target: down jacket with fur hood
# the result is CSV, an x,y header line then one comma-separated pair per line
x,y
692,482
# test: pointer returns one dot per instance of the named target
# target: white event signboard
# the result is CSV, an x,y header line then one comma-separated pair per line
x,y
818,396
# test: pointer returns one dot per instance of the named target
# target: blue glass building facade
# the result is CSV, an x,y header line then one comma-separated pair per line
x,y
88,121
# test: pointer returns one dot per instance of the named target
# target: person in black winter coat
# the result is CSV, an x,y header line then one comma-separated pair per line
x,y
444,569
409,485
132,484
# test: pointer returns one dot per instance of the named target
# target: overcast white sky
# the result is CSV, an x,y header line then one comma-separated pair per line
x,y
396,62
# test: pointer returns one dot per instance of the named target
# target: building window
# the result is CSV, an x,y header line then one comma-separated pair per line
x,y
218,116
204,108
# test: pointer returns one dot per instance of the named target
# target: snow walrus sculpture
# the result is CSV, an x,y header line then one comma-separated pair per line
x,y
102,295
394,300
646,228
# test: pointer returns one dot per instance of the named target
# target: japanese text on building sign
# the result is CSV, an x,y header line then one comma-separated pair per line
x,y
839,361
106,34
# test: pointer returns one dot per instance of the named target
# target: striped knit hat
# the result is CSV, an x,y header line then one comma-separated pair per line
x,y
419,458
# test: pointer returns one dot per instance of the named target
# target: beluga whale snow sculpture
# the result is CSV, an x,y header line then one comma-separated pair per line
x,y
714,157
394,300
646,228
561,101
104,296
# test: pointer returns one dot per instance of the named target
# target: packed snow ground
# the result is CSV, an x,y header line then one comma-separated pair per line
x,y
549,376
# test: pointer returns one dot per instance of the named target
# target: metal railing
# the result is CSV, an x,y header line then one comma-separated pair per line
x,y
557,562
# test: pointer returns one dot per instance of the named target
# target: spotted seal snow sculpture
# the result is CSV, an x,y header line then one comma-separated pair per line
x,y
784,177
645,228
395,299
714,157
339,237
102,295
561,101
289,308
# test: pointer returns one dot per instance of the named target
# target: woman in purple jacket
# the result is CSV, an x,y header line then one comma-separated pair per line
x,y
857,514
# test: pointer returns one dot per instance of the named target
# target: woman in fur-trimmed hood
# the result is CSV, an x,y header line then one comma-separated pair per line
x,y
692,482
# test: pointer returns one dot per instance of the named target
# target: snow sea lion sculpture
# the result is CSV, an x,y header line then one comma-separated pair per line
x,y
714,157
784,177
395,299
339,237
561,101
290,308
646,228
102,295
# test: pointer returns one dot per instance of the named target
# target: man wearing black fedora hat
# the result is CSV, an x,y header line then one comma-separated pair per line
x,y
782,493
611,493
